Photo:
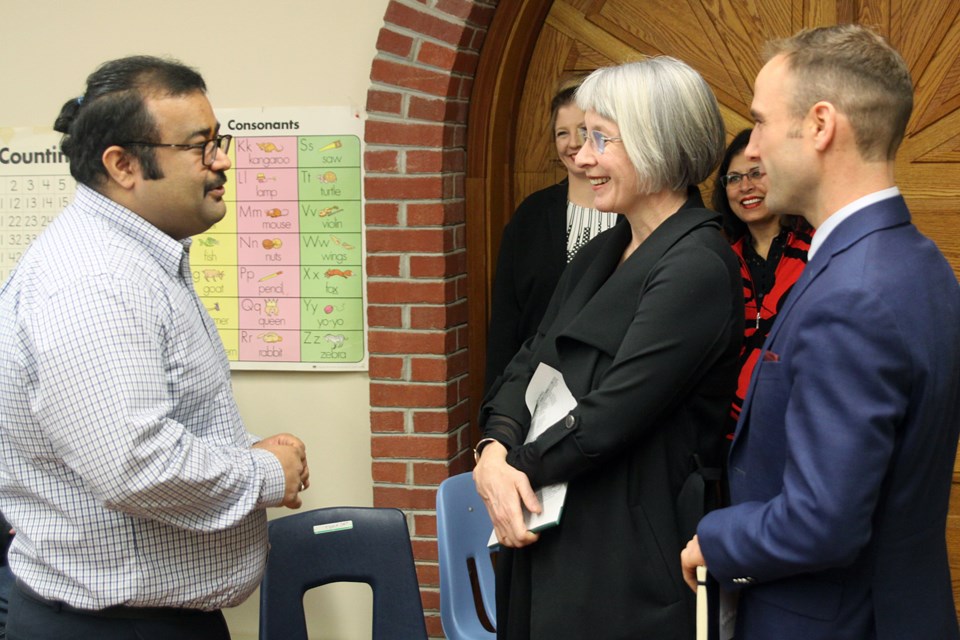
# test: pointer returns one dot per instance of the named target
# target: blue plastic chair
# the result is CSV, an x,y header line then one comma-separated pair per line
x,y
463,528
341,544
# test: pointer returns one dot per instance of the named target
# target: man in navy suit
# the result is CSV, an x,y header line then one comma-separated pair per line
x,y
841,466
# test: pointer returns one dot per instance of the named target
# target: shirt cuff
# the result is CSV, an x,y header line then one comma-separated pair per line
x,y
272,483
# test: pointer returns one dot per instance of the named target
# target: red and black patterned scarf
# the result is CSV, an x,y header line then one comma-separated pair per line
x,y
761,308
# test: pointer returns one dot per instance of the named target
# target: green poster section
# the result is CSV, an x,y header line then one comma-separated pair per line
x,y
282,273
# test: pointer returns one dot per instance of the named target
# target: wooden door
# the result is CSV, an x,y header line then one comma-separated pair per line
x,y
722,39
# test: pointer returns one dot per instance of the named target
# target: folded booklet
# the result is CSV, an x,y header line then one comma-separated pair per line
x,y
549,401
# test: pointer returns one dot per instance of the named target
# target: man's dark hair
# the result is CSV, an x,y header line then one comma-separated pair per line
x,y
113,111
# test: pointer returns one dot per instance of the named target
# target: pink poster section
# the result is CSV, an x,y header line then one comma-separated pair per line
x,y
281,274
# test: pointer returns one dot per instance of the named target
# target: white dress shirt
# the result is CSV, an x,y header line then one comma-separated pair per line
x,y
124,465
843,213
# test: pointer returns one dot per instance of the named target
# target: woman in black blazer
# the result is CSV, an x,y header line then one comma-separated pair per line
x,y
545,232
645,327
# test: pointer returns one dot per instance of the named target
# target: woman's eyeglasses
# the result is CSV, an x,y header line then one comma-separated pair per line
x,y
733,179
599,140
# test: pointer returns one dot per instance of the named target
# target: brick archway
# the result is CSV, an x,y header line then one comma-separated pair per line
x,y
415,161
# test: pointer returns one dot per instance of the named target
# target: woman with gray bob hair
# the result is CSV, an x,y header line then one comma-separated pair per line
x,y
644,328
669,120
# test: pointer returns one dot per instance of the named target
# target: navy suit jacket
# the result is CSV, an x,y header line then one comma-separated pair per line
x,y
841,467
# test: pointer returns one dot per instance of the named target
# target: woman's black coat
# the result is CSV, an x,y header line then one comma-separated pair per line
x,y
533,254
649,350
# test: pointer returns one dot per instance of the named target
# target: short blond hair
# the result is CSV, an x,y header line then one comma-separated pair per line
x,y
859,73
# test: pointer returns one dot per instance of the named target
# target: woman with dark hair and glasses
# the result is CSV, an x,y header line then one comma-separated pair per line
x,y
545,232
644,327
772,250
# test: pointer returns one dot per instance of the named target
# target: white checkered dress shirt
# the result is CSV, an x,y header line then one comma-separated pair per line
x,y
124,465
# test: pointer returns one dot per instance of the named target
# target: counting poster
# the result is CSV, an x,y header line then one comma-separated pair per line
x,y
35,185
282,274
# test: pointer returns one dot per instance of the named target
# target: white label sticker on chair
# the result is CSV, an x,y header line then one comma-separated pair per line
x,y
333,526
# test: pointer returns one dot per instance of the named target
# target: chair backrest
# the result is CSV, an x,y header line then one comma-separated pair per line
x,y
463,529
341,544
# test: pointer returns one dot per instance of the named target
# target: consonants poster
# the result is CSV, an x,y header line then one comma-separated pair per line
x,y
282,274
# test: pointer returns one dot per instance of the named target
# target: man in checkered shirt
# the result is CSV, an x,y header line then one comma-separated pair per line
x,y
137,495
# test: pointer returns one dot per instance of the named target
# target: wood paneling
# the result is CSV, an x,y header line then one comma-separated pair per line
x,y
494,103
540,42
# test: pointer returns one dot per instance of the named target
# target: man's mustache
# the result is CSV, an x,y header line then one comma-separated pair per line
x,y
216,184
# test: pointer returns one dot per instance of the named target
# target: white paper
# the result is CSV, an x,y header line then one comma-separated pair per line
x,y
728,613
549,401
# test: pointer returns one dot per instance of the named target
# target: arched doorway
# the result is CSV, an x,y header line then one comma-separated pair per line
x,y
533,43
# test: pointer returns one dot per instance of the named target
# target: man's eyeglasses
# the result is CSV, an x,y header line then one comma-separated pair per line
x,y
733,178
599,140
209,147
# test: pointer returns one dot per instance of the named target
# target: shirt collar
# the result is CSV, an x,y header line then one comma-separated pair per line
x,y
777,244
843,213
168,253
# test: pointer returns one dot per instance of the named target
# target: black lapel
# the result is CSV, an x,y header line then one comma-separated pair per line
x,y
603,303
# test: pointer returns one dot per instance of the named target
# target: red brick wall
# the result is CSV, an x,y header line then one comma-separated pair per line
x,y
427,53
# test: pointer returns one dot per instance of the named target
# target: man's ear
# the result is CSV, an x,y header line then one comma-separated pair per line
x,y
121,167
823,115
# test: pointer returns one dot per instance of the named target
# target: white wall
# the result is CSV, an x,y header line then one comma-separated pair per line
x,y
251,53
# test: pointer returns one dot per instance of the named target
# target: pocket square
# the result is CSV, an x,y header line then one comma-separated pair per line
x,y
770,356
